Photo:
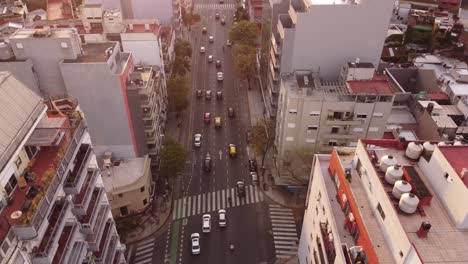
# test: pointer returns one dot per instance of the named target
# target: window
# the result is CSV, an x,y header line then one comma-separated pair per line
x,y
310,140
312,127
142,189
379,208
31,151
323,210
291,125
145,202
335,130
373,129
363,116
377,114
18,162
19,46
11,184
358,129
64,45
120,195
293,111
332,143
123,210
314,113
289,138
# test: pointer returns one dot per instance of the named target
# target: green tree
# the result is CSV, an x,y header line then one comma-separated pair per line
x,y
244,32
262,137
241,14
190,18
180,66
177,93
183,48
172,159
244,62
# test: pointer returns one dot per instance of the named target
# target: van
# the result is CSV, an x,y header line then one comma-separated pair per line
x,y
254,178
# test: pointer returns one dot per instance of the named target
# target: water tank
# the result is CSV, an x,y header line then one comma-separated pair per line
x,y
414,151
393,174
408,203
428,147
387,161
6,52
443,143
458,143
400,188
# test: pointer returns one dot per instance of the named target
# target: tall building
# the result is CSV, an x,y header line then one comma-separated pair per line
x,y
387,201
124,103
309,38
314,116
53,204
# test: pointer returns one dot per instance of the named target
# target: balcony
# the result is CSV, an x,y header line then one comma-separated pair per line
x,y
110,250
274,75
74,178
328,243
284,22
43,253
81,201
64,243
274,60
94,240
117,257
141,79
93,230
59,136
93,207
340,136
105,241
344,121
147,100
275,45
78,253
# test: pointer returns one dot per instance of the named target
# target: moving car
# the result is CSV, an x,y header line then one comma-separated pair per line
x,y
202,49
220,76
222,218
207,118
218,63
199,94
208,95
252,165
211,39
221,1
219,95
203,30
207,163
206,226
197,140
195,243
240,187
228,42
223,21
232,151
231,112
217,16
254,177
210,58
218,122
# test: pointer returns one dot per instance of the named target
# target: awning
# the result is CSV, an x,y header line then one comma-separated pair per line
x,y
48,132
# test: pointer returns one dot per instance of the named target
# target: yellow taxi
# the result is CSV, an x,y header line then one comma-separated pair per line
x,y
232,151
218,122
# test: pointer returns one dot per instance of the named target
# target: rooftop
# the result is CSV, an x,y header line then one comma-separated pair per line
x,y
334,2
370,87
361,65
144,28
43,33
123,174
457,159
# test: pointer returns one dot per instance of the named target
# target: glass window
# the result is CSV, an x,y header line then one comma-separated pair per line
x,y
335,130
145,202
11,184
142,189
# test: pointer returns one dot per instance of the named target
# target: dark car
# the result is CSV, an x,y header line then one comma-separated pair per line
x,y
207,163
218,64
248,137
217,16
199,94
223,21
252,165
208,95
231,112
219,95
240,187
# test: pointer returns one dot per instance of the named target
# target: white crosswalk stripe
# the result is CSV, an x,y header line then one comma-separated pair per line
x,y
284,231
215,6
144,251
213,201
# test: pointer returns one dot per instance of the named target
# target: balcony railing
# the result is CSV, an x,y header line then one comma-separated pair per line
x,y
78,253
73,178
117,257
64,243
34,211
340,136
94,240
105,240
344,121
110,250
92,206
93,228
292,13
42,254
328,243
81,201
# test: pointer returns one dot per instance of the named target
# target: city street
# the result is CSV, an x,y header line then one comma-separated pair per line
x,y
250,219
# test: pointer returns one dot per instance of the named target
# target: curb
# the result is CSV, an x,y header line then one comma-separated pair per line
x,y
281,204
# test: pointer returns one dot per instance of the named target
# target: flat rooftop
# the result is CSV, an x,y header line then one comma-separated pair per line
x,y
370,87
457,157
43,33
334,2
125,173
94,52
445,243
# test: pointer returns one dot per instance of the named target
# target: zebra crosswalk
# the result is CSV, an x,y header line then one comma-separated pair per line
x,y
213,201
284,231
144,251
215,6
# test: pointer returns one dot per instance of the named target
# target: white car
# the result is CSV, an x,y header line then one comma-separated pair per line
x,y
206,225
197,140
211,39
228,42
202,49
222,218
210,58
220,76
195,243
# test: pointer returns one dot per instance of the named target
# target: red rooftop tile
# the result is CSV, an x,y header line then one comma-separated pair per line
x,y
457,157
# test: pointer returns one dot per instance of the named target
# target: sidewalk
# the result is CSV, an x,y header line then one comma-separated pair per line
x,y
272,192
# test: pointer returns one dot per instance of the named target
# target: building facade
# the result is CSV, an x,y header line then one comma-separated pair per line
x,y
54,207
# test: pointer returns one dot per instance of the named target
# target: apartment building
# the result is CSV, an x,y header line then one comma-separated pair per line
x,y
374,204
304,34
130,98
314,115
53,204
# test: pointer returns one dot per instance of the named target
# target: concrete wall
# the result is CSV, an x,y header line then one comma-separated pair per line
x,y
144,47
23,71
321,42
159,9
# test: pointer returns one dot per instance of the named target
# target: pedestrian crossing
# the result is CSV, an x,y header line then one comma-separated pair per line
x,y
215,6
284,231
213,201
144,251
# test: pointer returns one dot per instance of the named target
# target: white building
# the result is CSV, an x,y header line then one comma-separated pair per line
x,y
315,115
410,214
53,203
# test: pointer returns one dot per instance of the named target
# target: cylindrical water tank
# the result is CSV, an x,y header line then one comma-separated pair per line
x,y
393,174
400,188
387,161
414,151
428,147
408,203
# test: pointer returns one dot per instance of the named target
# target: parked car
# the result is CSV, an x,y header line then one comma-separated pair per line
x,y
206,226
207,118
197,140
252,165
222,218
199,94
240,187
207,163
254,177
232,151
229,43
231,112
210,58
218,64
211,39
202,49
195,243
220,76
208,95
219,95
